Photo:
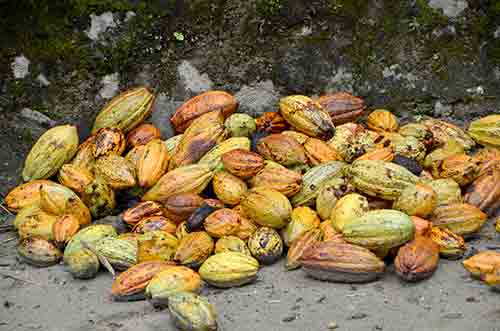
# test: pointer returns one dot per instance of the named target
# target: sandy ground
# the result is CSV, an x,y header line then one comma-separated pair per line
x,y
50,299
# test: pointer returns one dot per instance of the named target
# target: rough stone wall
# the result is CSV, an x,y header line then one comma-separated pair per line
x,y
415,57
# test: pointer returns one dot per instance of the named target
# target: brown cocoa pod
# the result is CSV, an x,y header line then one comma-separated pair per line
x,y
271,122
194,249
242,163
484,192
282,149
340,262
417,260
343,107
143,209
109,141
202,104
143,134
422,227
180,206
277,177
130,284
460,218
318,152
299,246
222,222
154,223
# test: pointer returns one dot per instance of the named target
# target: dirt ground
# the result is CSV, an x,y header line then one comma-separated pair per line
x,y
50,299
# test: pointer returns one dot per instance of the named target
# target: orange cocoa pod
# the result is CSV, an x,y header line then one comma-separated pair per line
x,y
26,194
299,246
247,227
271,122
279,178
152,163
143,209
422,227
242,163
460,167
65,228
319,152
143,134
482,263
381,120
222,222
282,149
417,260
179,207
484,192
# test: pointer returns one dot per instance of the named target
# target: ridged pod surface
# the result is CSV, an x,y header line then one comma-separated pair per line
x,y
482,263
341,262
383,154
179,207
192,312
271,122
303,219
154,223
486,130
100,198
156,245
60,200
329,194
307,116
267,207
202,104
461,168
416,200
194,248
82,264
279,178
54,148
382,120
26,194
126,110
228,188
74,177
90,235
231,244
299,246
417,260
319,152
108,141
142,210
348,208
152,163
381,179
443,131
222,222
240,125
484,192
282,149
242,163
120,253
343,107
116,171
64,229
229,269
460,218
447,191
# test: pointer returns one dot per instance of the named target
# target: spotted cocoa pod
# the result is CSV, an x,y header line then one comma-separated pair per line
x,y
444,131
382,120
197,218
156,245
84,157
190,311
116,171
109,141
135,154
353,140
231,244
343,107
26,194
240,125
120,253
461,168
100,198
348,208
482,263
83,264
267,207
214,157
417,260
142,210
266,245
88,236
319,152
39,252
447,191
201,104
329,194
75,178
143,134
247,227
384,154
416,200
271,122
300,137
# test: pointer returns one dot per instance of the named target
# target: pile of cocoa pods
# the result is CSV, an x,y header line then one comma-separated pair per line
x,y
338,189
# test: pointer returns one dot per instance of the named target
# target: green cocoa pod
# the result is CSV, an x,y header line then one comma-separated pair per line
x,y
83,264
192,312
121,253
90,235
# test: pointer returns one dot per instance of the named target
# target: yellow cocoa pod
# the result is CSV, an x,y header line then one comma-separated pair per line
x,y
83,264
416,200
194,248
109,141
190,311
486,131
461,168
303,219
26,194
482,263
64,229
228,188
152,163
329,194
120,253
39,224
116,171
352,140
193,178
282,149
447,191
382,120
299,137
54,148
126,110
135,154
231,244
156,245
84,157
173,142
171,281
60,200
451,245
74,177
89,235
307,116
229,269
348,208
247,227
267,207
384,154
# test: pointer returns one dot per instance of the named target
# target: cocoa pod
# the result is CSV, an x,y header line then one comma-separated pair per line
x,y
275,176
240,125
84,157
26,194
409,147
242,163
33,222
228,188
231,244
485,130
341,262
169,282
383,154
416,200
266,207
482,263
180,206
154,223
142,210
181,231
417,260
271,122
194,248
318,152
200,137
422,227
314,179
153,163
75,178
189,179
120,253
307,116
54,148
156,245
444,131
328,232
131,284
82,264
484,192
282,149
377,229
90,235
447,191
348,208
126,110
173,142
461,168
487,159
59,200
109,141
229,269
64,229
201,104
135,154
143,134
299,246
451,245
329,194
343,107
190,311
100,198
352,140
381,179
266,245
214,156
382,120
460,218
303,219
434,159
247,227
222,222
116,171
419,131
38,252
